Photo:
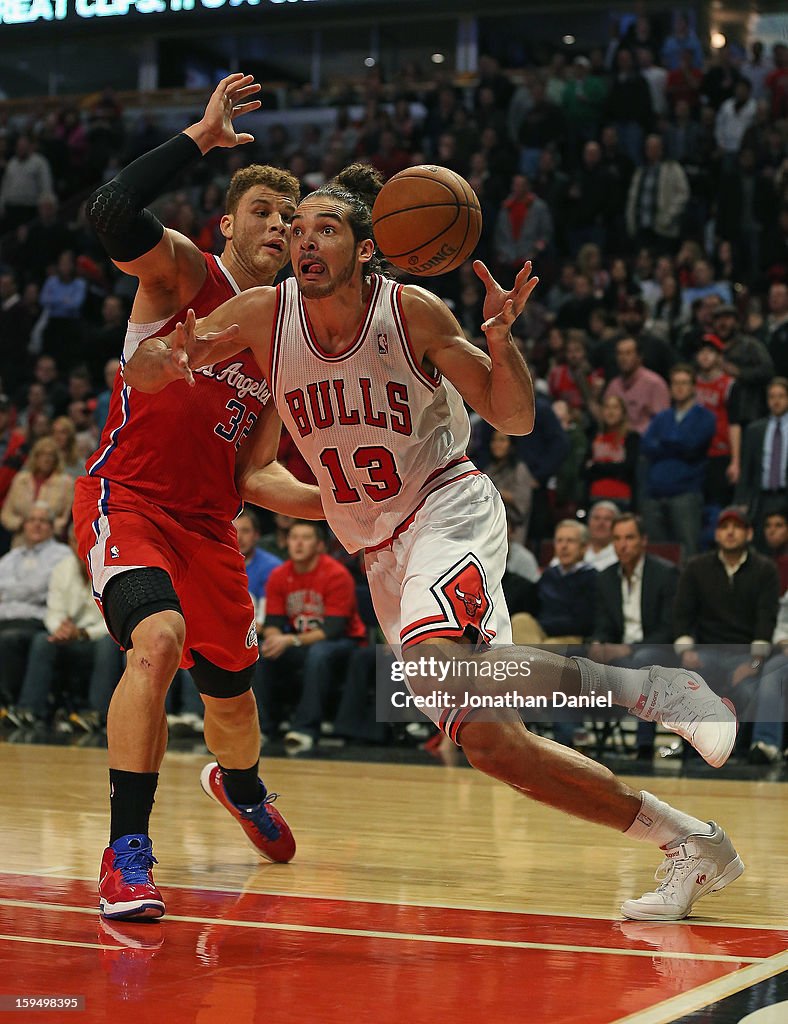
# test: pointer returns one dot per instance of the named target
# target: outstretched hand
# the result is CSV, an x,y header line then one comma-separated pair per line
x,y
229,100
501,308
187,348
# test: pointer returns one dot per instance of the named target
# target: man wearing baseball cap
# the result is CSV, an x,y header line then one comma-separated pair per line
x,y
712,391
726,608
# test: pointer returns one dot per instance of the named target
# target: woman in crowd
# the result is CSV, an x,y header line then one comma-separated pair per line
x,y
612,467
64,434
42,479
513,479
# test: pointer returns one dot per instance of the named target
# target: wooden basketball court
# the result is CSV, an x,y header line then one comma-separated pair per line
x,y
418,894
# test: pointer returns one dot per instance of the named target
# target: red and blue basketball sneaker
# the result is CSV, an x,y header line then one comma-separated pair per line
x,y
126,886
263,825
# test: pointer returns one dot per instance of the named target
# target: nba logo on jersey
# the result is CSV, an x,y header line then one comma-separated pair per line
x,y
383,344
114,551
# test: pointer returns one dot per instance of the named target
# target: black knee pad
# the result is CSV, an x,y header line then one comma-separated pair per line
x,y
133,596
219,682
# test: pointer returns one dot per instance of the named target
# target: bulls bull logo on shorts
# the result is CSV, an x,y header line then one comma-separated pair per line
x,y
464,599
467,595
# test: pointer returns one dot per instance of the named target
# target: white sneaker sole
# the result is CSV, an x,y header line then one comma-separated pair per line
x,y
636,911
714,741
136,910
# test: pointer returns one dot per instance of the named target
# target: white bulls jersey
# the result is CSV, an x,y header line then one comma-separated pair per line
x,y
378,432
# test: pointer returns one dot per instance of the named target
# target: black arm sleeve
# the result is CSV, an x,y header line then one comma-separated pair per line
x,y
116,211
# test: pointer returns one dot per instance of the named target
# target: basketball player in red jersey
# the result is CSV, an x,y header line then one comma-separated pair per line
x,y
369,378
154,514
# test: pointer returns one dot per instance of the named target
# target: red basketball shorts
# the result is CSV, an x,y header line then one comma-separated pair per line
x,y
118,531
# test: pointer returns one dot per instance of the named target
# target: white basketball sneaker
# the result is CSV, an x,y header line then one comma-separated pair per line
x,y
684,703
699,865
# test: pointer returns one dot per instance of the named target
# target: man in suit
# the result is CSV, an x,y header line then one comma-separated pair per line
x,y
762,485
634,610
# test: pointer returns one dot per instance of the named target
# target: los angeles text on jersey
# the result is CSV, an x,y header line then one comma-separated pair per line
x,y
243,384
348,402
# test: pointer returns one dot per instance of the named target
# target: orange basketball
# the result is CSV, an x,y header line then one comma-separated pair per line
x,y
427,220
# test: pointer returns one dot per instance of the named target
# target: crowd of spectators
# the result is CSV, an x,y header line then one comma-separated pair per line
x,y
648,181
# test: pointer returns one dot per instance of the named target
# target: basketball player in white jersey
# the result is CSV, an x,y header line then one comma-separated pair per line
x,y
370,377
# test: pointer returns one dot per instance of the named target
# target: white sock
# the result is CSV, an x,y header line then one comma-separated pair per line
x,y
626,684
658,822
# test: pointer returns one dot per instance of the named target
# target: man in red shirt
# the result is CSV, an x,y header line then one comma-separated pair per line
x,y
712,391
311,628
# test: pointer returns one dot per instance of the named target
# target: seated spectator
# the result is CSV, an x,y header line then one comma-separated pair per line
x,y
634,610
576,311
42,480
524,227
543,452
63,296
600,553
683,91
713,390
656,353
747,360
74,646
12,446
24,585
777,327
513,479
101,412
669,308
259,563
565,594
64,434
275,542
726,609
703,284
775,533
568,488
769,705
311,627
675,445
611,470
701,322
520,560
682,45
657,198
643,392
763,480
733,119
589,200
573,380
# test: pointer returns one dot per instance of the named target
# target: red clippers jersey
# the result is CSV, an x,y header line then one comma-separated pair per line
x,y
177,448
713,395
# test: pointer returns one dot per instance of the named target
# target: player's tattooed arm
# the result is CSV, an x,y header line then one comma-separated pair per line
x,y
263,481
497,386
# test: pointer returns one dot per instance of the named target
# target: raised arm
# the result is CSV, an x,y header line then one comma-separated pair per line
x,y
264,481
169,266
499,386
242,322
